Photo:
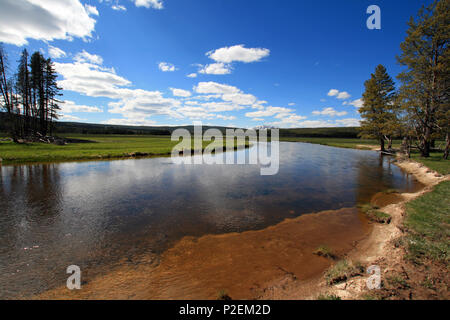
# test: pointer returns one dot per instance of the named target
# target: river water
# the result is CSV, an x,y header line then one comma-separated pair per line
x,y
98,214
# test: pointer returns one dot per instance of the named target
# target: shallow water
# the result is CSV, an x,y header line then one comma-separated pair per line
x,y
99,214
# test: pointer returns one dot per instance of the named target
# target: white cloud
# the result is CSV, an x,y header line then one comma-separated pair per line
x,y
339,94
91,80
333,92
315,124
192,75
91,9
240,98
238,53
215,88
291,104
130,122
291,119
56,53
84,56
227,118
68,117
216,68
155,4
195,112
69,107
269,112
180,92
330,112
357,103
44,20
343,95
96,81
118,7
350,122
221,106
166,67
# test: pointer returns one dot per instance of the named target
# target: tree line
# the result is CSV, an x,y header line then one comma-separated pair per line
x,y
418,111
29,96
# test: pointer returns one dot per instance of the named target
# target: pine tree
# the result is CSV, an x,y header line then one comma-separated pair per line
x,y
38,91
379,111
424,90
51,92
24,90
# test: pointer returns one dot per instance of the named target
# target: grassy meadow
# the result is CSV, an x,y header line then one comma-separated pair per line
x,y
95,147
349,143
427,220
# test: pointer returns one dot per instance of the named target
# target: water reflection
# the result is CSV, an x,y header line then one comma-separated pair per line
x,y
97,214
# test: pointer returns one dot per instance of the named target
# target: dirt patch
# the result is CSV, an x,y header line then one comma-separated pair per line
x,y
384,199
368,147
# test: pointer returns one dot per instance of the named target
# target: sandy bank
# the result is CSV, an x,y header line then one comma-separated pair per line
x,y
379,247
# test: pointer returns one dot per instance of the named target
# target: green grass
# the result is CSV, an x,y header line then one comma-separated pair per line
x,y
435,162
328,297
349,143
428,223
325,251
397,281
375,215
342,271
101,147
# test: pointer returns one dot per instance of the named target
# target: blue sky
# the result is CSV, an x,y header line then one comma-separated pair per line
x,y
230,63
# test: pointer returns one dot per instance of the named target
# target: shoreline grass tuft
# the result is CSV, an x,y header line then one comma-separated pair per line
x,y
373,214
342,271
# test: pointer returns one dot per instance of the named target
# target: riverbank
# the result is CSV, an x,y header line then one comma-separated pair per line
x,y
411,251
90,147
348,143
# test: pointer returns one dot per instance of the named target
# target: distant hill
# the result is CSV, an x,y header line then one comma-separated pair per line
x,y
88,128
338,132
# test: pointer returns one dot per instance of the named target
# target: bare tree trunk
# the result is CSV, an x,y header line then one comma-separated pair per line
x,y
426,144
382,145
447,146
390,143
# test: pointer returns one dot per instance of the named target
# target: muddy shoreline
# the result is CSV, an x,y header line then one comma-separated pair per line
x,y
246,265
379,247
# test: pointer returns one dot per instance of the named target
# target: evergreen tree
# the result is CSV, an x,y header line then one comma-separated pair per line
x,y
24,90
51,94
424,91
379,111
38,90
